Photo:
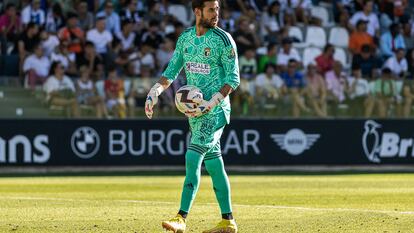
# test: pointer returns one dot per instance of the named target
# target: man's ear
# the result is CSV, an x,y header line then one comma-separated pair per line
x,y
197,12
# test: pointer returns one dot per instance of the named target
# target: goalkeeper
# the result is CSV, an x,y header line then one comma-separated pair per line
x,y
209,57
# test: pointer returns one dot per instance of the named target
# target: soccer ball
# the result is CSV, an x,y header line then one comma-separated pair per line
x,y
188,97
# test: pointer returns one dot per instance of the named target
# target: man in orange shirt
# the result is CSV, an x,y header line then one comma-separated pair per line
x,y
73,34
360,37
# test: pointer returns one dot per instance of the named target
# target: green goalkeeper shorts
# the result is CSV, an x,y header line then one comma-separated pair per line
x,y
206,132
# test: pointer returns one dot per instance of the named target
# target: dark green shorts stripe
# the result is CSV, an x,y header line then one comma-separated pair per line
x,y
210,158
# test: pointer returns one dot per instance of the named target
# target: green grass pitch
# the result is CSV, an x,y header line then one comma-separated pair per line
x,y
262,203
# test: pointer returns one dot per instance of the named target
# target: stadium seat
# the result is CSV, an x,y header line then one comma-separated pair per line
x,y
179,12
296,32
321,13
341,56
100,88
315,36
339,37
309,55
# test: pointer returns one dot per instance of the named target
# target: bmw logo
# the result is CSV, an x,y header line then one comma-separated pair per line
x,y
85,142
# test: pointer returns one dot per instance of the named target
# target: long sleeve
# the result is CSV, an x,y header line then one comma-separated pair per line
x,y
230,64
176,63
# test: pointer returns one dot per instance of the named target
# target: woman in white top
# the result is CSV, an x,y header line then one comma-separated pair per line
x,y
87,94
60,90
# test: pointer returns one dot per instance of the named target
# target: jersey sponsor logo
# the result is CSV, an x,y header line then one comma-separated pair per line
x,y
295,141
207,52
198,68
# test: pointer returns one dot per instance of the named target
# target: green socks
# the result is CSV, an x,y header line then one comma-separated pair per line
x,y
215,167
221,185
192,179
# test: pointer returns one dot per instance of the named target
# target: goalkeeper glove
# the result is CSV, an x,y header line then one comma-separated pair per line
x,y
152,99
205,106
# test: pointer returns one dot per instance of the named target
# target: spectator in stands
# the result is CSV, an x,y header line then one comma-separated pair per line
x,y
139,90
369,16
91,59
301,8
336,84
113,23
316,93
87,95
384,91
178,29
269,87
27,41
73,34
391,41
32,13
66,58
102,39
270,57
358,91
326,60
164,54
410,63
408,97
272,21
115,94
227,22
368,63
61,90
286,54
408,35
248,64
152,36
10,27
154,12
340,7
296,88
85,18
398,63
55,19
36,67
130,13
125,39
360,37
245,37
49,42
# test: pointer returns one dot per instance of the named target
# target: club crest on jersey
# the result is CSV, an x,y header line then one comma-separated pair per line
x,y
207,52
232,53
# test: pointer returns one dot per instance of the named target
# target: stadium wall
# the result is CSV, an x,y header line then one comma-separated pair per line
x,y
245,142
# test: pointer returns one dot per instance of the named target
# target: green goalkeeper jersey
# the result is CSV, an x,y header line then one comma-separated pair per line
x,y
210,61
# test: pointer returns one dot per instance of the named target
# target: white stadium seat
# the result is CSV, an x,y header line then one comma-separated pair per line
x,y
321,13
315,36
297,33
339,37
309,55
341,56
179,12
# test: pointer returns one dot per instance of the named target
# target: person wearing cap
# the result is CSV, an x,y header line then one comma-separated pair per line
x,y
369,16
73,34
286,54
391,41
360,37
33,13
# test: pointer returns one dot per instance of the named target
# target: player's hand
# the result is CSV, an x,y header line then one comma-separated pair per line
x,y
152,99
205,106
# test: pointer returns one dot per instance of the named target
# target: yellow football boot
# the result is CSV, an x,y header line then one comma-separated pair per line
x,y
225,226
176,224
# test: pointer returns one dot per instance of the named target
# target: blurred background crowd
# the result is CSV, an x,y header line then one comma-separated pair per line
x,y
297,58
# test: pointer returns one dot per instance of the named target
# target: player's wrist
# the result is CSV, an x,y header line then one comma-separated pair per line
x,y
157,89
216,99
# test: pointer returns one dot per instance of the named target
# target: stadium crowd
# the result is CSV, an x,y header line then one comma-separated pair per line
x,y
296,57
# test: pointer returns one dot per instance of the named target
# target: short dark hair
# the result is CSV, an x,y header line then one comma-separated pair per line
x,y
10,5
200,3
